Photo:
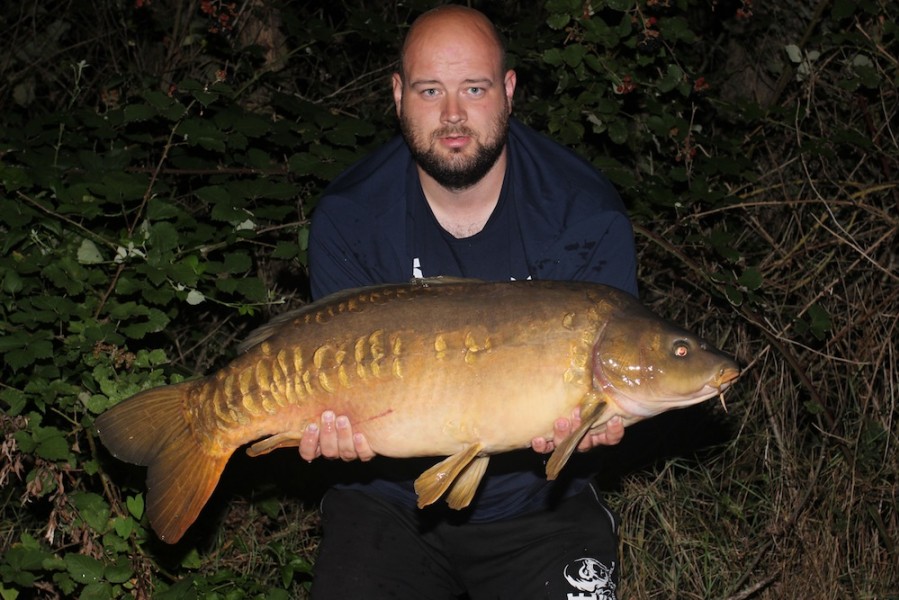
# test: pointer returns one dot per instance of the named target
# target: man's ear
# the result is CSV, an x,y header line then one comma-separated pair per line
x,y
509,82
398,93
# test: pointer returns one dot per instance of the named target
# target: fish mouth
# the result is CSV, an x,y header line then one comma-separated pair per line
x,y
714,387
726,377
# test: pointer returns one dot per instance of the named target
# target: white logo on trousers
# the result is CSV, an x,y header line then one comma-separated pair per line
x,y
592,578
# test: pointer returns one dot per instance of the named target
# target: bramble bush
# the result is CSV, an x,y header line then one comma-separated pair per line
x,y
160,162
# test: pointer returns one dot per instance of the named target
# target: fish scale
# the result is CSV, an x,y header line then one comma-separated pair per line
x,y
459,369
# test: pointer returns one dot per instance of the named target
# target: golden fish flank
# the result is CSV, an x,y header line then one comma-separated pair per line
x,y
412,371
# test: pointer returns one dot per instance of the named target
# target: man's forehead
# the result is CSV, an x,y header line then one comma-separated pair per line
x,y
436,60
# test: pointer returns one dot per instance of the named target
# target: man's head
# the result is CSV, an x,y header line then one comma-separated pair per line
x,y
453,95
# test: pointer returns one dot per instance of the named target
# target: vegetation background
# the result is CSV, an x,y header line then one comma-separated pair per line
x,y
160,159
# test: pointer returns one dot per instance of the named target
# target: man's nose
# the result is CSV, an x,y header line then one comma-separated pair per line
x,y
453,110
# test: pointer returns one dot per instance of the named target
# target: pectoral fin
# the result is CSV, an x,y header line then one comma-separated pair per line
x,y
432,484
466,485
286,439
590,413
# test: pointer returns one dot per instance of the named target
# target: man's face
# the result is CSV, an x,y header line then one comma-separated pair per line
x,y
454,102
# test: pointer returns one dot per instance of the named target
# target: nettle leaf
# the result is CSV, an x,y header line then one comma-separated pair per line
x,y
138,112
237,262
573,55
673,76
50,443
251,288
84,569
286,251
303,163
187,271
203,133
93,509
553,56
156,322
163,237
259,159
20,359
14,178
120,571
14,399
558,20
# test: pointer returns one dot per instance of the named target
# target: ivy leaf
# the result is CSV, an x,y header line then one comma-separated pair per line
x,y
135,505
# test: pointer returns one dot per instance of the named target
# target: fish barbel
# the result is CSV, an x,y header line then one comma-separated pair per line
x,y
453,368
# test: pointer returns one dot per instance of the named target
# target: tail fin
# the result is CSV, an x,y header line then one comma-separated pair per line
x,y
150,429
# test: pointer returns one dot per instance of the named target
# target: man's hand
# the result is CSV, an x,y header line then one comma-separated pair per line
x,y
334,438
611,435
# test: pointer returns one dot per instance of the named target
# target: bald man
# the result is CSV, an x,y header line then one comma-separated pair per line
x,y
466,191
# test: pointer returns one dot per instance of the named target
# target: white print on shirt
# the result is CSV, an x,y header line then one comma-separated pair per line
x,y
417,274
591,578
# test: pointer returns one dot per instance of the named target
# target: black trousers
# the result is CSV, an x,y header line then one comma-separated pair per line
x,y
372,550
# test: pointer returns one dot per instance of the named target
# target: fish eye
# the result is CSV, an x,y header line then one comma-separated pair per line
x,y
681,348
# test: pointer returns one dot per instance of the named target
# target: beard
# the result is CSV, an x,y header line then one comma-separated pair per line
x,y
457,171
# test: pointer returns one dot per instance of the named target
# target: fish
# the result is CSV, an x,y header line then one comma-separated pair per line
x,y
451,368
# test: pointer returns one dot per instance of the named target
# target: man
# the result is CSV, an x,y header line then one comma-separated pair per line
x,y
466,191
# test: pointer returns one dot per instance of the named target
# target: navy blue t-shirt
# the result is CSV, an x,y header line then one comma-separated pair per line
x,y
557,218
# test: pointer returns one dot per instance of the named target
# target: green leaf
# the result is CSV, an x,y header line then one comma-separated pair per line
x,y
558,20
843,8
84,569
573,55
88,253
120,571
751,279
191,560
734,296
237,262
93,509
96,591
135,505
617,131
553,57
195,297
14,399
123,526
819,321
138,112
51,444
303,163
163,237
286,251
673,76
252,289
